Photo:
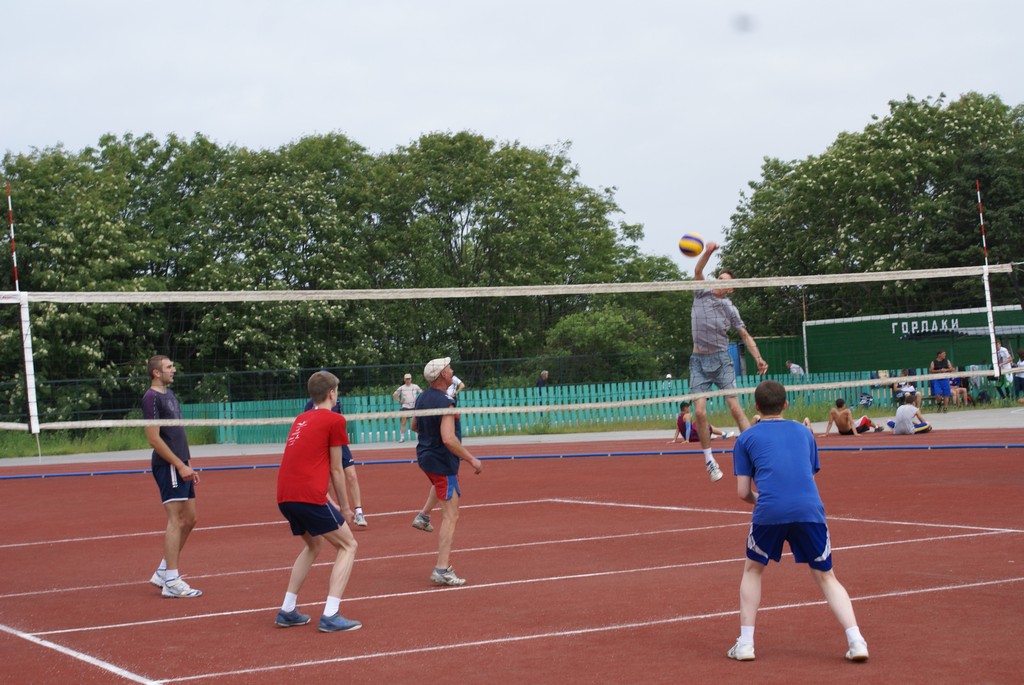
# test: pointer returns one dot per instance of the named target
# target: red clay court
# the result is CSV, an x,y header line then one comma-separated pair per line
x,y
596,569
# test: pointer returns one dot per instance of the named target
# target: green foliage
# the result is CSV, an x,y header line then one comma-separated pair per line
x,y
449,210
462,210
613,330
898,195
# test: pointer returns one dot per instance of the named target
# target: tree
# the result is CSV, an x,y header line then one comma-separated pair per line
x,y
459,210
449,210
898,195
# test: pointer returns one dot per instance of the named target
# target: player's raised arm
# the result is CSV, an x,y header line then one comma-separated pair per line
x,y
698,270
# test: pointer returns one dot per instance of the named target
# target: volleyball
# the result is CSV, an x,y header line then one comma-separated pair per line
x,y
691,244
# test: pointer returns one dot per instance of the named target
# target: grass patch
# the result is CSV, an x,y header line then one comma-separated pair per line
x,y
56,443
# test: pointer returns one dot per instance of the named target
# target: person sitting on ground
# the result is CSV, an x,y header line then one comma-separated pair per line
x,y
909,420
842,417
686,430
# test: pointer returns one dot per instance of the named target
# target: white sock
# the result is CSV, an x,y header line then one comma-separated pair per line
x,y
162,568
707,456
290,600
331,607
746,635
171,574
853,634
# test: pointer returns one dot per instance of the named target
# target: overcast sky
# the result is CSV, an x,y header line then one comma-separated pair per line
x,y
674,103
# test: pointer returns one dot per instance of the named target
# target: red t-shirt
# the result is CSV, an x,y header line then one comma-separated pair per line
x,y
305,472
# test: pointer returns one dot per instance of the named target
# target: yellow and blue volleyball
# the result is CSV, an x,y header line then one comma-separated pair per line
x,y
691,244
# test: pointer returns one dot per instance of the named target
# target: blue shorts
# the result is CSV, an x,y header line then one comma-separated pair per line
x,y
711,369
809,543
172,487
940,386
315,519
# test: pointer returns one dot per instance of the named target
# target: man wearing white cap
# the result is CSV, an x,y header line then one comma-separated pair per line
x,y
438,451
406,395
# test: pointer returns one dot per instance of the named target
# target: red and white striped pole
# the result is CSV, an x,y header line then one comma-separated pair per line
x,y
981,218
10,220
988,292
26,334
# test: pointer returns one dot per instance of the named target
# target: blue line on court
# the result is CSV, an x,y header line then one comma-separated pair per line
x,y
514,457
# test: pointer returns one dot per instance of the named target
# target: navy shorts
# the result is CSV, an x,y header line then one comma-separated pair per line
x,y
172,487
346,457
315,519
809,543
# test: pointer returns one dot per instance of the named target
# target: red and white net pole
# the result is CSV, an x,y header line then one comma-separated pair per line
x,y
10,222
26,333
988,291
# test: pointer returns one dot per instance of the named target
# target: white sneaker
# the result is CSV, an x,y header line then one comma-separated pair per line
x,y
741,651
858,651
446,578
714,473
360,520
157,578
401,438
730,434
422,522
179,588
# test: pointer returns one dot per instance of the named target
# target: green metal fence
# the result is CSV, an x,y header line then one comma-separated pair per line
x,y
387,429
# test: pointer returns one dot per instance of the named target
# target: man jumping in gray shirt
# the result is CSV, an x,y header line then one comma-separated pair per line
x,y
712,317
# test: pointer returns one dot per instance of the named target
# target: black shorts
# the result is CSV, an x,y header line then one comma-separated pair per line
x,y
315,519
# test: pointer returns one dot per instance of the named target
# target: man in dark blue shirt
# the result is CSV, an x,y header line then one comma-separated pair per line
x,y
173,475
439,451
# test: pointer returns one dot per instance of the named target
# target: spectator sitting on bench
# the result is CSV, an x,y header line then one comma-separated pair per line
x,y
958,391
906,389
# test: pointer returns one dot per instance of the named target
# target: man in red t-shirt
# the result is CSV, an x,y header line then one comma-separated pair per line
x,y
311,464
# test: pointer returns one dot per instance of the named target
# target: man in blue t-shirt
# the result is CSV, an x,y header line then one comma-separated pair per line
x,y
775,462
173,475
438,452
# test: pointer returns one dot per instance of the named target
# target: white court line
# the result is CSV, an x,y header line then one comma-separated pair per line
x,y
277,522
34,637
93,661
487,586
556,541
553,500
623,505
572,633
391,557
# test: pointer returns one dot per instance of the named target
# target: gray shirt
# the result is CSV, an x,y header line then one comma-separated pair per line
x,y
904,423
710,321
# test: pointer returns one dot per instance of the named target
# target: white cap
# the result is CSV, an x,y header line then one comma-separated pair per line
x,y
668,376
434,368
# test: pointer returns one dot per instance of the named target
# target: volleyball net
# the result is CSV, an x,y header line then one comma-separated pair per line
x,y
74,361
